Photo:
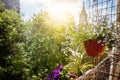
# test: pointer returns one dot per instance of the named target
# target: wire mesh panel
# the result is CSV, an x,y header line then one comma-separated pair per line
x,y
102,9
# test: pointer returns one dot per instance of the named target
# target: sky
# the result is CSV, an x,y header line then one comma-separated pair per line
x,y
57,7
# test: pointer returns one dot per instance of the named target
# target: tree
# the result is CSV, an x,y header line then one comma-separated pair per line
x,y
11,62
43,46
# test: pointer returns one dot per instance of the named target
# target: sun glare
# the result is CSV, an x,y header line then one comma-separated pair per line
x,y
60,12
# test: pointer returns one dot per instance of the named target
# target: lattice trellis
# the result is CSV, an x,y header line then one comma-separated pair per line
x,y
102,9
109,68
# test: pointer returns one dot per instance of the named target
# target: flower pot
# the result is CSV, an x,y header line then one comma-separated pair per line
x,y
94,48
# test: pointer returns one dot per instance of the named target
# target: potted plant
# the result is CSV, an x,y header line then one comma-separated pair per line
x,y
96,37
94,47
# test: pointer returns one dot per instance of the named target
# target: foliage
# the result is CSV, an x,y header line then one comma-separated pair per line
x,y
76,64
11,59
43,46
74,50
86,32
104,31
31,50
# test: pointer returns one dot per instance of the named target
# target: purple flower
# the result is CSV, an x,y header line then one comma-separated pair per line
x,y
55,74
49,77
61,68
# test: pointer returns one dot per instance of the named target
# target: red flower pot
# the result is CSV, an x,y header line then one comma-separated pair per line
x,y
94,48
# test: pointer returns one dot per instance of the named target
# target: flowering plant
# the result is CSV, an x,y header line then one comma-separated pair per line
x,y
55,73
106,33
102,32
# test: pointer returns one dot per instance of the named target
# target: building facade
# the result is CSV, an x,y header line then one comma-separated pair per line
x,y
12,4
83,15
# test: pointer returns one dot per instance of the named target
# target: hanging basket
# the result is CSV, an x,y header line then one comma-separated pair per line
x,y
94,48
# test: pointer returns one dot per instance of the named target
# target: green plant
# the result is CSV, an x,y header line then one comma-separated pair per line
x,y
86,32
42,46
12,61
74,50
103,32
77,64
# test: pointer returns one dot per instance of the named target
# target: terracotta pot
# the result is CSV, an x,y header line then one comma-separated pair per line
x,y
94,48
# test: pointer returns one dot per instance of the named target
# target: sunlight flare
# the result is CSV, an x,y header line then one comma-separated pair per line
x,y
60,12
